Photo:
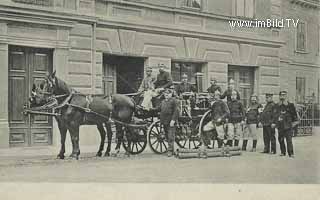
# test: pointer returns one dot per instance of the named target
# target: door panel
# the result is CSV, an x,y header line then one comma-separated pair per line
x,y
244,81
27,66
109,79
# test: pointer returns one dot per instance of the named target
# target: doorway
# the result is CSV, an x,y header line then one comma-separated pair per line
x,y
244,81
27,66
122,74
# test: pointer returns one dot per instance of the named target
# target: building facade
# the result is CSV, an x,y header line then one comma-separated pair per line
x,y
103,46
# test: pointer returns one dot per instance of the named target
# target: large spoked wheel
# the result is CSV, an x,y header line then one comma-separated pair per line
x,y
134,140
204,139
157,139
187,136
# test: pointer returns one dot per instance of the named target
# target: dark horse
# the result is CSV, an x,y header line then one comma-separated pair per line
x,y
72,115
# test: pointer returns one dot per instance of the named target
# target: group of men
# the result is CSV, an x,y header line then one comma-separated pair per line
x,y
230,120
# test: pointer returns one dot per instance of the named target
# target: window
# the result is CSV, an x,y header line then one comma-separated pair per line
x,y
193,3
244,81
301,36
180,68
36,2
245,8
300,89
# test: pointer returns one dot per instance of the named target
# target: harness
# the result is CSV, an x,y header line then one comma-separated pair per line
x,y
52,104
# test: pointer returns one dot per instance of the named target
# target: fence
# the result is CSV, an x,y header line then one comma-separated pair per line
x,y
309,118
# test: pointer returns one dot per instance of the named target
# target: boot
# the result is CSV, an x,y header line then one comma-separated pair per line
x,y
236,143
171,136
254,146
229,143
220,143
244,145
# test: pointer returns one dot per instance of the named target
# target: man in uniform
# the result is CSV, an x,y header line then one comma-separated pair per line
x,y
252,120
229,91
169,113
147,88
267,119
184,86
236,119
286,116
213,87
219,116
164,79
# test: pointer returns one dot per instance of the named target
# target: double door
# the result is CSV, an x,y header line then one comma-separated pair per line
x,y
26,67
244,81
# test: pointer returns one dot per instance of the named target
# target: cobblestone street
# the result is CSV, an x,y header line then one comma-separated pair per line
x,y
152,168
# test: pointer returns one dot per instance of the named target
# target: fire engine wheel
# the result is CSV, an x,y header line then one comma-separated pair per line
x,y
134,140
157,139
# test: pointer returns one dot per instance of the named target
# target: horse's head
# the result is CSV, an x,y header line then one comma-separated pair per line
x,y
43,91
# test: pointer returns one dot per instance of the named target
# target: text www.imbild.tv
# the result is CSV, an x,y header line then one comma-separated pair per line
x,y
268,23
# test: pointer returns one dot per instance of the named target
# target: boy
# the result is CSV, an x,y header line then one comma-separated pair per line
x,y
169,113
236,119
252,120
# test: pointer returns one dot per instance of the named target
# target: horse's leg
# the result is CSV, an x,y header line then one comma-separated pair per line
x,y
63,133
109,136
103,137
119,135
74,132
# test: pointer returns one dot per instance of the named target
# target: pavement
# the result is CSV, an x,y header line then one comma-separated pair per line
x,y
39,164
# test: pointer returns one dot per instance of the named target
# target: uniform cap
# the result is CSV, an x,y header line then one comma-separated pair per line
x,y
269,94
213,79
184,76
162,65
283,92
149,69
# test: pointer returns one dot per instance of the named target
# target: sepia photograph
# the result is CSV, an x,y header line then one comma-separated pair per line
x,y
167,98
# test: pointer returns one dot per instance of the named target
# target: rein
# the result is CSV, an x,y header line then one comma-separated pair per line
x,y
53,104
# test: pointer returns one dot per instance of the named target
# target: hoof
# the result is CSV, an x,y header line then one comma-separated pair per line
x,y
60,156
115,153
107,154
99,154
74,157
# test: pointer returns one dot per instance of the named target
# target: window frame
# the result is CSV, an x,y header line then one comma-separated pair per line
x,y
298,96
199,65
306,37
245,15
185,5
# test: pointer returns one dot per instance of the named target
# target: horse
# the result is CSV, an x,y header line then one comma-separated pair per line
x,y
73,114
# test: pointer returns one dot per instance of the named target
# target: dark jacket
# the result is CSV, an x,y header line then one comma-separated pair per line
x,y
219,109
169,110
285,114
267,117
164,80
237,112
185,87
252,114
213,88
228,93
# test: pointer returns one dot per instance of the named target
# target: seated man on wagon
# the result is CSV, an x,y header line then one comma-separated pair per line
x,y
147,88
164,79
185,90
219,116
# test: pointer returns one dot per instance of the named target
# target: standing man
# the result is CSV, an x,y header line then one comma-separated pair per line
x,y
164,79
236,119
286,116
219,115
214,86
229,91
252,120
267,119
169,113
147,88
